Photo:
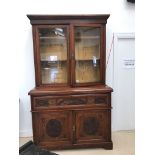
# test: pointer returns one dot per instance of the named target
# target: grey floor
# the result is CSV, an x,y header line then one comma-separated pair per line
x,y
123,142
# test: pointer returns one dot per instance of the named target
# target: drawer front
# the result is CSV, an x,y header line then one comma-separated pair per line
x,y
51,101
98,99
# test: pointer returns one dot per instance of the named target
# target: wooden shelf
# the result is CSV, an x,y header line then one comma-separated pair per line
x,y
88,37
53,38
87,59
53,61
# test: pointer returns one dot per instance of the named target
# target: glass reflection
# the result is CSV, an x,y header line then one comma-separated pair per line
x,y
87,54
53,55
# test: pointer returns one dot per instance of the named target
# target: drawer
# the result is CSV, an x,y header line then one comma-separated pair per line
x,y
98,99
50,101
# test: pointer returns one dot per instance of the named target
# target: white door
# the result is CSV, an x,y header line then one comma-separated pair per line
x,y
123,116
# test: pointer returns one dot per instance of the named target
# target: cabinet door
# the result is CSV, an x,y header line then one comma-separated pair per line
x,y
92,126
54,129
52,55
88,47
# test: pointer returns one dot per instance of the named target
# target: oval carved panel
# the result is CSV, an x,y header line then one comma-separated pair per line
x,y
90,125
53,128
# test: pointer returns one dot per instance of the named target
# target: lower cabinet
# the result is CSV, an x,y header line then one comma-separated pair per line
x,y
53,129
77,118
72,128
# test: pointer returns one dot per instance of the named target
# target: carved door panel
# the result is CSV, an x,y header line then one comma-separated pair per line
x,y
55,128
92,126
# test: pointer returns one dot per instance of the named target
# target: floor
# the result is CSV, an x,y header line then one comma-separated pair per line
x,y
123,143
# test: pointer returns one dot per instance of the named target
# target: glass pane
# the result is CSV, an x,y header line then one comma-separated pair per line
x,y
87,54
53,55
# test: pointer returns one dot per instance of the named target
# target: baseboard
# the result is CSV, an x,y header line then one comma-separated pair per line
x,y
25,133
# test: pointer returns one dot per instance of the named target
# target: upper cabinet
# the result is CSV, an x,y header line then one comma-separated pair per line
x,y
69,50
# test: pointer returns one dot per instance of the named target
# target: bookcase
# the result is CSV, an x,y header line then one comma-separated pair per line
x,y
71,104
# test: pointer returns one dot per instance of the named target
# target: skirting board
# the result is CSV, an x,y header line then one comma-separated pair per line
x,y
25,133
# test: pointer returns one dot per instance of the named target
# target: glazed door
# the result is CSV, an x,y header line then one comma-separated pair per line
x,y
88,50
54,128
92,126
52,55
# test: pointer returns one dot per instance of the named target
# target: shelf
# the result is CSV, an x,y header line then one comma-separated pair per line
x,y
64,38
88,37
66,60
51,68
87,59
43,60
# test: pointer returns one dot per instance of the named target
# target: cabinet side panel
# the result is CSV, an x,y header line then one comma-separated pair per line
x,y
36,55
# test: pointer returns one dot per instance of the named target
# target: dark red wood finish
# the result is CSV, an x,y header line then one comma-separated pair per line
x,y
67,19
70,22
68,116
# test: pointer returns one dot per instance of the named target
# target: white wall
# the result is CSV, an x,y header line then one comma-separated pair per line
x,y
121,20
